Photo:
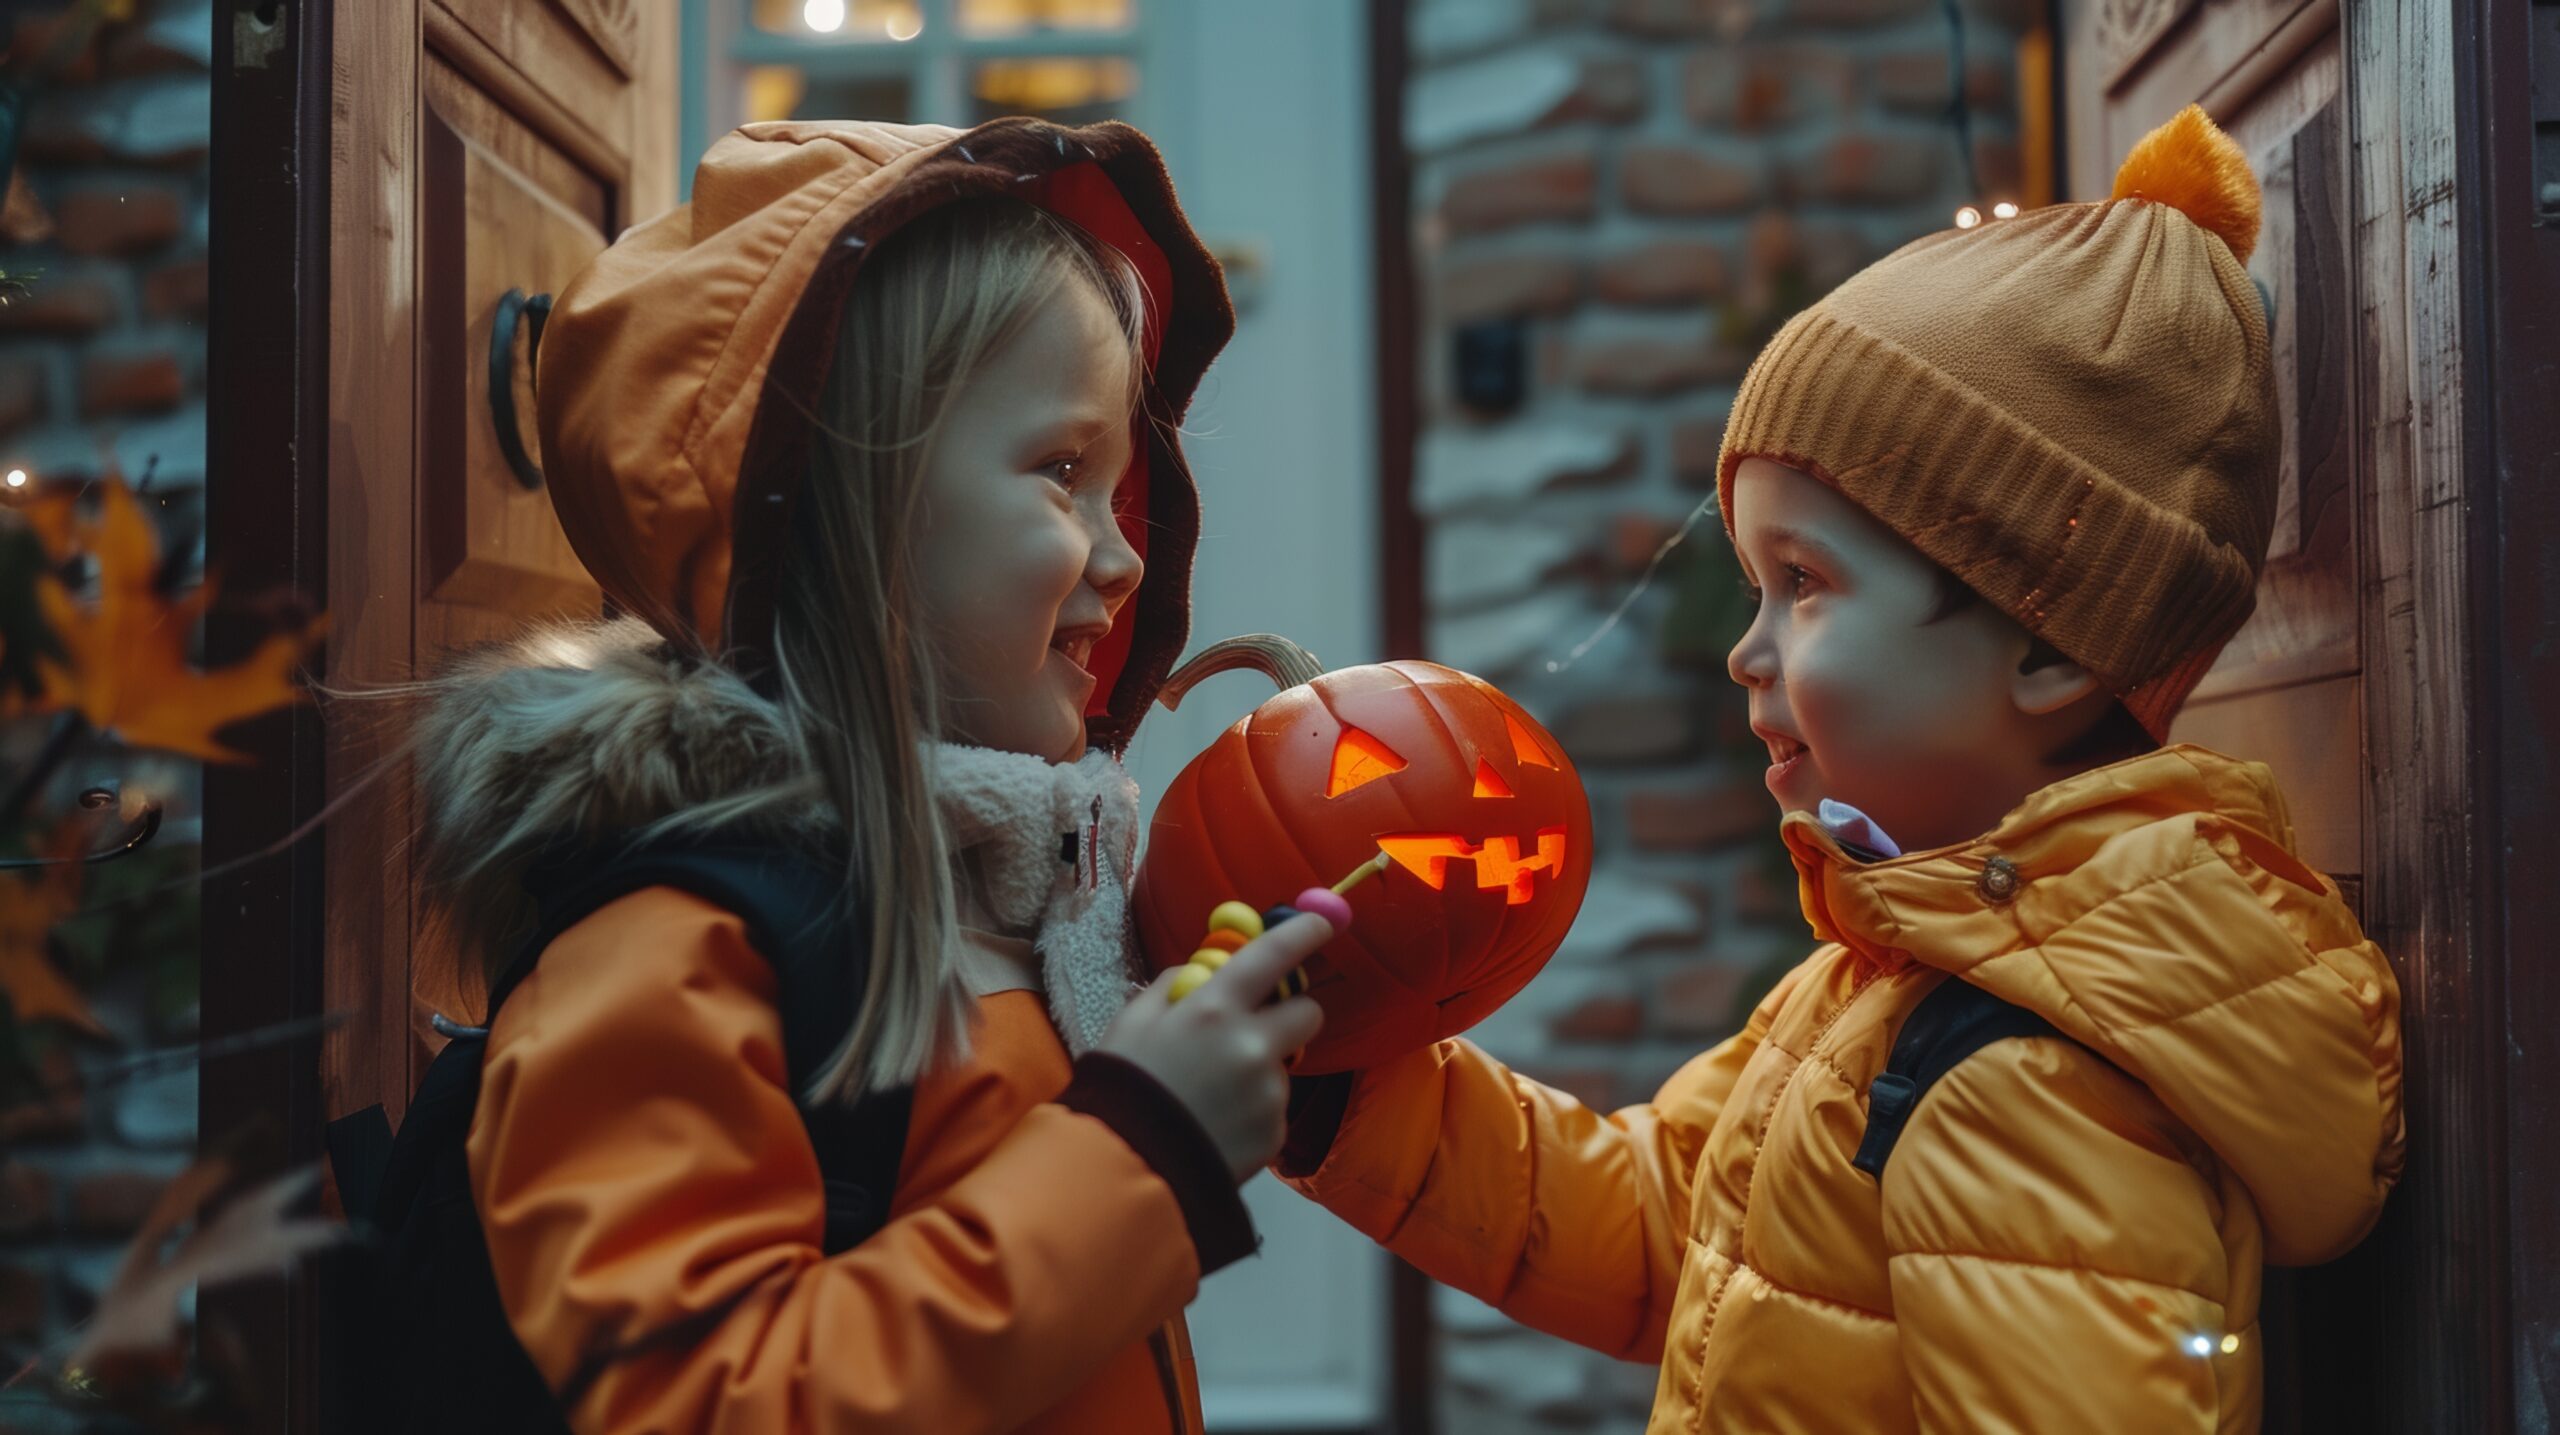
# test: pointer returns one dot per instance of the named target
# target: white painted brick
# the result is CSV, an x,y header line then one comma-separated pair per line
x,y
1498,95
1496,641
141,119
1620,911
159,1112
1459,467
1473,562
1444,28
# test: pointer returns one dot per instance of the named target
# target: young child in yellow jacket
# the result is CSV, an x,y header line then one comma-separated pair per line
x,y
2004,496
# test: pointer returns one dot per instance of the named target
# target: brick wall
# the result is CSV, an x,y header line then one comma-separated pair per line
x,y
105,355
1649,186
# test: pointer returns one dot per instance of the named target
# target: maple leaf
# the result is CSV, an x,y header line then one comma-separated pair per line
x,y
23,219
31,905
139,1323
126,669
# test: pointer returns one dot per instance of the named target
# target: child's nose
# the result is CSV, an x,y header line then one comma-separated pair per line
x,y
1753,661
1114,567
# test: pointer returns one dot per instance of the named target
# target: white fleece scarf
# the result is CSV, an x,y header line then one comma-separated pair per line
x,y
1054,846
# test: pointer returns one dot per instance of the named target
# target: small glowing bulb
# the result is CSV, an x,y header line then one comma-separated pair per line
x,y
905,26
17,478
2004,210
2200,1344
1968,217
2231,1345
824,16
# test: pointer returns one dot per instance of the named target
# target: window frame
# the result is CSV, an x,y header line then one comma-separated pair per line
x,y
725,42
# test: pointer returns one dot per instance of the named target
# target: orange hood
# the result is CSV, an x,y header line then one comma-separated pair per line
x,y
679,371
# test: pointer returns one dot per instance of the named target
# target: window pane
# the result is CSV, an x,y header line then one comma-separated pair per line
x,y
841,19
786,92
1014,17
1070,91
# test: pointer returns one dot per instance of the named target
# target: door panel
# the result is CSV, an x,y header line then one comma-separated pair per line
x,y
2285,691
492,542
559,53
614,27
481,146
2309,733
2347,680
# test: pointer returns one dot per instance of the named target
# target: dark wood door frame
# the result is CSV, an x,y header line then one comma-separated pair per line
x,y
1412,1367
266,467
2511,319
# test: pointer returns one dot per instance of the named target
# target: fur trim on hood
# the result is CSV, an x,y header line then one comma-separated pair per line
x,y
580,731
575,734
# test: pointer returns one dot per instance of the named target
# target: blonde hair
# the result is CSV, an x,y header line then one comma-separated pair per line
x,y
857,669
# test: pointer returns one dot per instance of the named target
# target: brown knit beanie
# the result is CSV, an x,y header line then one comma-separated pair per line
x,y
2072,411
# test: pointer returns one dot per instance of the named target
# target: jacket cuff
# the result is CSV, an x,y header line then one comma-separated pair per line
x,y
1316,1105
1155,1123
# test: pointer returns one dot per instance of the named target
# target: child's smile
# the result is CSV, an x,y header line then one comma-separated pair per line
x,y
1786,756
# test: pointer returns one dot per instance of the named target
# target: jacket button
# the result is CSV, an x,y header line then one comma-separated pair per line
x,y
1999,880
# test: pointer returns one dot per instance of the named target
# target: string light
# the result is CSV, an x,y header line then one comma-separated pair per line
x,y
17,478
824,16
2231,1345
1968,217
2200,1345
2004,210
905,26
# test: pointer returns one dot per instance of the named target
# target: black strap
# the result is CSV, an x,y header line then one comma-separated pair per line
x,y
1952,1022
818,949
359,1145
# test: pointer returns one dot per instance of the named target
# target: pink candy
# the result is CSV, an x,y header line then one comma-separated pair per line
x,y
1326,904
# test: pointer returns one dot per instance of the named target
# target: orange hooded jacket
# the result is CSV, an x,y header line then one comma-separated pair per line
x,y
2069,1235
637,1157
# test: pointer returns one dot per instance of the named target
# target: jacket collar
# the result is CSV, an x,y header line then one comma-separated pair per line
x,y
1951,906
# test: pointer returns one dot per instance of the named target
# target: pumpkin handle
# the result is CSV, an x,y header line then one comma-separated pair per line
x,y
1269,654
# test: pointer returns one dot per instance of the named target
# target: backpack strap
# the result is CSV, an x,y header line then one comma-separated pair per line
x,y
819,951
1955,1020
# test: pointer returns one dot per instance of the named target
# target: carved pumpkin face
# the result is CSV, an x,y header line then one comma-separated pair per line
x,y
1481,812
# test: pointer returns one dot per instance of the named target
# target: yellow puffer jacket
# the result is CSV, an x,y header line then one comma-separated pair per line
x,y
2070,1234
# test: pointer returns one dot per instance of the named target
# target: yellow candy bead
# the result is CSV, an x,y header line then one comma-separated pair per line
x,y
1187,981
1212,958
1236,917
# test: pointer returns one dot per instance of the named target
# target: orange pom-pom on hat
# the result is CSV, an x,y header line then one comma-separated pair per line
x,y
2072,411
2190,165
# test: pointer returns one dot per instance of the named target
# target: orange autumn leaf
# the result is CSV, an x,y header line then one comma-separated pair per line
x,y
31,905
128,672
142,1317
54,518
23,219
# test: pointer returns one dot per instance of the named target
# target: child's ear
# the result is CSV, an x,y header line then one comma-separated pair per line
x,y
2052,684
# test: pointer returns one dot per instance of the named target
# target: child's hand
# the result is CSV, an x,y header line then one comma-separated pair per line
x,y
1220,1051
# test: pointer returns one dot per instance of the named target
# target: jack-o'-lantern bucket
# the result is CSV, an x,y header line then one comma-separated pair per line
x,y
1480,815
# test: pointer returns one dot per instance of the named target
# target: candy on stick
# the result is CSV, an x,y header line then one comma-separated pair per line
x,y
1232,924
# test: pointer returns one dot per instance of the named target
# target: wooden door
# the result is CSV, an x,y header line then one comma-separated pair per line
x,y
481,147
2352,679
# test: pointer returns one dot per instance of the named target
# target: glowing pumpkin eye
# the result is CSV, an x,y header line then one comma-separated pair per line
x,y
1489,783
1526,747
1359,758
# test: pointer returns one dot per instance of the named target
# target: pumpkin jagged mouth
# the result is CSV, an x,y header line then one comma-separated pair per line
x,y
1512,863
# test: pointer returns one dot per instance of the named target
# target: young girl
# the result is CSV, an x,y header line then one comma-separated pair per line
x,y
873,443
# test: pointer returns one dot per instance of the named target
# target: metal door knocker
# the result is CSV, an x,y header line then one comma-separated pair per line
x,y
534,312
